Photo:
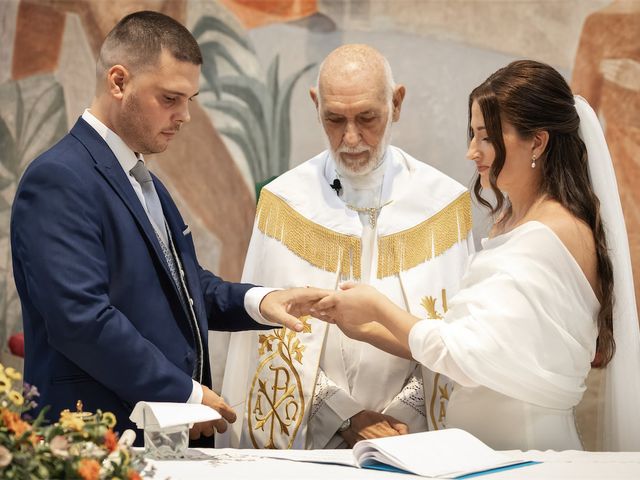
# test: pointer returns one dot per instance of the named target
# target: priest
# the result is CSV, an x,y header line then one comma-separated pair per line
x,y
365,211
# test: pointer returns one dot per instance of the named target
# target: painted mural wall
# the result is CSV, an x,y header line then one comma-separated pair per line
x,y
254,118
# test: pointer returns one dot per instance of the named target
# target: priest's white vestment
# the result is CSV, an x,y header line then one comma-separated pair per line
x,y
293,390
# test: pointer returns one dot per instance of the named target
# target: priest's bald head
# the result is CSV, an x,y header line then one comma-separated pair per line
x,y
357,100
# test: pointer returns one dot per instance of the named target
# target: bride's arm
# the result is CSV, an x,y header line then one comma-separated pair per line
x,y
364,314
377,335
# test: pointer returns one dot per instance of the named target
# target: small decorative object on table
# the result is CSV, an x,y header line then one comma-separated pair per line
x,y
166,426
81,445
166,443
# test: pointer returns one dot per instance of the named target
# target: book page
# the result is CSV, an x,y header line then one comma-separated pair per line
x,y
338,457
444,453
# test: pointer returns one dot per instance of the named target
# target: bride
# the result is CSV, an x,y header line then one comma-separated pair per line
x,y
536,307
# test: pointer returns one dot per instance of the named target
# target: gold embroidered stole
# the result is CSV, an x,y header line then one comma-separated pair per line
x,y
332,251
280,392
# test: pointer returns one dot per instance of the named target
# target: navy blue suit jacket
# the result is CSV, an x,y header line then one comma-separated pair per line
x,y
103,322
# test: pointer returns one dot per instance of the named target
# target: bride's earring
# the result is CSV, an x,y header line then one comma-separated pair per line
x,y
533,161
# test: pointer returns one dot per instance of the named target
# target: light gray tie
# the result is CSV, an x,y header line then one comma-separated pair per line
x,y
141,173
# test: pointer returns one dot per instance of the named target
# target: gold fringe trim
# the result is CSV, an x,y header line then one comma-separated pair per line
x,y
340,253
409,248
320,246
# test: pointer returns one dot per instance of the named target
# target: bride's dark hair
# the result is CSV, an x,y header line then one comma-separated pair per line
x,y
532,96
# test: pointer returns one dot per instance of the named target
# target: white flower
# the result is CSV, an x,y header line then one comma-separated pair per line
x,y
91,450
59,446
112,460
5,457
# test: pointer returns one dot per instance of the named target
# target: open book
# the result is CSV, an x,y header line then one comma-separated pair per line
x,y
449,453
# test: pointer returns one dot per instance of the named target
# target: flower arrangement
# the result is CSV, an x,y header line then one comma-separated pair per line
x,y
80,445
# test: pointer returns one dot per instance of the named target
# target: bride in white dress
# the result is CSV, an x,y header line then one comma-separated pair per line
x,y
536,307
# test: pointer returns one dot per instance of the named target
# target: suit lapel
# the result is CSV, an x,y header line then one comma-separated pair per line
x,y
107,165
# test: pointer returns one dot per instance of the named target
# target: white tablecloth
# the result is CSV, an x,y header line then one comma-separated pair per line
x,y
229,463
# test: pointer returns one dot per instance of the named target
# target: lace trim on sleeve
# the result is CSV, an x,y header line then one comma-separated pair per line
x,y
325,389
412,395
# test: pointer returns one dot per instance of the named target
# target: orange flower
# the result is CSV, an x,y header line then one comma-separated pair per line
x,y
89,469
14,423
34,439
110,440
133,475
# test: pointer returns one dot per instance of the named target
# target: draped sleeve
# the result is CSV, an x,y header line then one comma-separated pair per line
x,y
523,323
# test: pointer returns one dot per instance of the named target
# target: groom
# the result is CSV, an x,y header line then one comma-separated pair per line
x,y
115,306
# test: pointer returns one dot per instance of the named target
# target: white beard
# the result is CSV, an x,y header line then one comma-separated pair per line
x,y
376,155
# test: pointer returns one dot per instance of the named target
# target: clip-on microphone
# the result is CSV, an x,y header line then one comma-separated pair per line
x,y
336,185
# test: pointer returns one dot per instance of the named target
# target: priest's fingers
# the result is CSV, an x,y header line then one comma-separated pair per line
x,y
370,424
378,430
397,425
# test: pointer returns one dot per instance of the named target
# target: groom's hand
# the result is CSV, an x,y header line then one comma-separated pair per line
x,y
286,306
215,401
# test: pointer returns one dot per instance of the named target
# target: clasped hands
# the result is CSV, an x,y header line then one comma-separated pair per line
x,y
351,307
369,424
285,307
354,308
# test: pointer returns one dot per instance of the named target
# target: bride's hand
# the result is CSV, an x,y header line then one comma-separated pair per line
x,y
354,308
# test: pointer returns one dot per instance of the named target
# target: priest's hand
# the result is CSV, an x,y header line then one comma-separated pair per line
x,y
285,306
369,424
215,401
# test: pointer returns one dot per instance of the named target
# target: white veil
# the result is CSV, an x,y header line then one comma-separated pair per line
x,y
620,426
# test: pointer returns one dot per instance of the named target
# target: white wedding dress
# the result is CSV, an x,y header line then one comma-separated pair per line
x,y
520,336
518,339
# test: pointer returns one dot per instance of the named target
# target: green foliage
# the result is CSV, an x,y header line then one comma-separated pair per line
x,y
31,120
28,141
260,110
213,50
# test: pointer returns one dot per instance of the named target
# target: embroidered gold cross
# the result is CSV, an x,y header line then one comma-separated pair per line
x,y
371,211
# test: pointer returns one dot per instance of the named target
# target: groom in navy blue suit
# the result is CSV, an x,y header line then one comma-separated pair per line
x,y
115,306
